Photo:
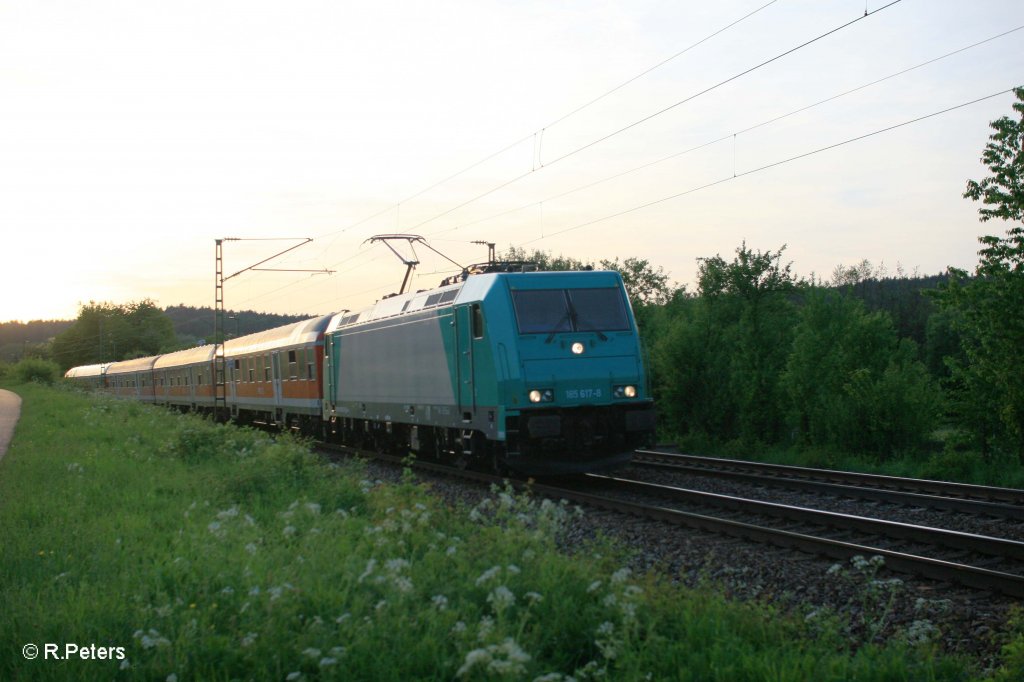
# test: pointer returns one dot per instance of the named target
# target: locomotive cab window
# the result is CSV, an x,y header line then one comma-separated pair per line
x,y
549,311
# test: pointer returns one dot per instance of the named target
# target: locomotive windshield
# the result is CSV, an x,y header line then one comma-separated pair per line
x,y
549,311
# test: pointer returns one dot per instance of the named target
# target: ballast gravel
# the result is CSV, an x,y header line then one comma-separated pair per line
x,y
958,620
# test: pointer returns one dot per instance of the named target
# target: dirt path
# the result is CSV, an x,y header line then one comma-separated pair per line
x,y
10,410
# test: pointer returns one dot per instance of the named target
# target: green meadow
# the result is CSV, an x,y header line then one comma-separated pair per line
x,y
169,548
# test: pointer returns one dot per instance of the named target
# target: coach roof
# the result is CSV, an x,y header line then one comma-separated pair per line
x,y
296,334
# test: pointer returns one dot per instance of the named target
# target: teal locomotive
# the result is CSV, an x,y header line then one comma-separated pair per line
x,y
531,372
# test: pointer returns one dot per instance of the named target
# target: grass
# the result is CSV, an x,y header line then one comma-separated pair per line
x,y
206,552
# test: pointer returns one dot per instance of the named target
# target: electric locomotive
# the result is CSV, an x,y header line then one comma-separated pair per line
x,y
533,372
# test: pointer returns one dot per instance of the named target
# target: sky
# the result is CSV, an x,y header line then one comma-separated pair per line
x,y
135,134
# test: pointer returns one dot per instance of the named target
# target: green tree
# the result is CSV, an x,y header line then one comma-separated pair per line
x,y
988,382
718,367
852,383
544,260
106,332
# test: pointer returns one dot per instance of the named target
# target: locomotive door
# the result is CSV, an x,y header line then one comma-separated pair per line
x,y
464,361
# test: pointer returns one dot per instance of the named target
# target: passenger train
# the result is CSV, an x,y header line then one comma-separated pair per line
x,y
529,372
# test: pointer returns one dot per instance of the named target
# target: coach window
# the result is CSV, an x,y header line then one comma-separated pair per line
x,y
478,322
250,371
293,366
310,364
266,367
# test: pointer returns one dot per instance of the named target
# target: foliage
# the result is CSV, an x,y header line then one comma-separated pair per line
x,y
105,332
196,324
544,260
645,284
35,369
123,537
718,367
852,383
987,380
24,339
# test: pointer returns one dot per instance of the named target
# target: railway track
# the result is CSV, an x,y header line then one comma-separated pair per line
x,y
977,561
992,501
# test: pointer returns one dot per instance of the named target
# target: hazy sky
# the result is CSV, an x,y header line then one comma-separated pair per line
x,y
133,134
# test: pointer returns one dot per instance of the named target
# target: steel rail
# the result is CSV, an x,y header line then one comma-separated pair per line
x,y
946,488
958,540
733,469
937,569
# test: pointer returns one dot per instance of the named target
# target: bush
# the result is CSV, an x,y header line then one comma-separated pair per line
x,y
34,369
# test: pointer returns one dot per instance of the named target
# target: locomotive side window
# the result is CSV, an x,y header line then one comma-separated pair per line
x,y
478,322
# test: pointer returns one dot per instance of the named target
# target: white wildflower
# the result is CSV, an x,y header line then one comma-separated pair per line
x,y
483,630
313,508
371,565
501,598
289,531
505,659
311,653
227,514
487,575
533,597
251,548
594,587
294,676
620,576
337,651
327,661
440,602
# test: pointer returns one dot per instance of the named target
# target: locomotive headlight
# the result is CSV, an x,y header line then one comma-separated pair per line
x,y
541,395
625,391
578,348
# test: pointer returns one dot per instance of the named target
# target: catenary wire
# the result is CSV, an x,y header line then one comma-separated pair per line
x,y
651,116
766,167
729,136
